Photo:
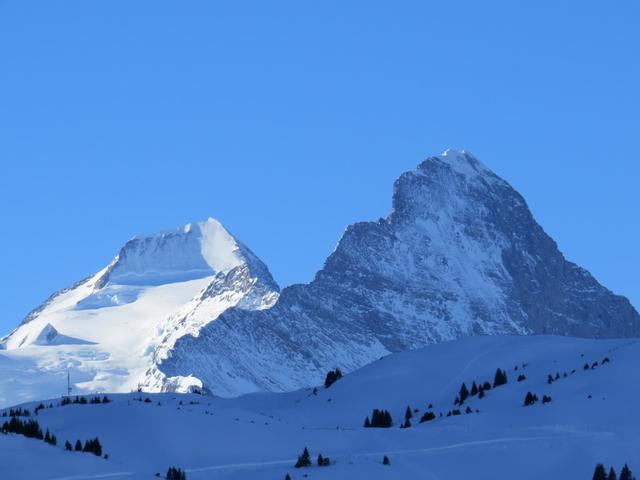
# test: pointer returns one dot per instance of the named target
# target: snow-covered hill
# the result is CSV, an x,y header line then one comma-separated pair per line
x,y
459,255
110,329
589,419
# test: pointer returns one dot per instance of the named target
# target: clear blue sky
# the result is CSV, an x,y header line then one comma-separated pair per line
x,y
289,120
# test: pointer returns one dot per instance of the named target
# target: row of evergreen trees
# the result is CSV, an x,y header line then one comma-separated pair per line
x,y
50,438
499,379
600,473
90,446
17,412
379,419
531,398
29,428
176,474
304,460
80,400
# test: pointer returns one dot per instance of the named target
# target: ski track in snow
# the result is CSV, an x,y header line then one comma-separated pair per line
x,y
97,476
472,362
453,446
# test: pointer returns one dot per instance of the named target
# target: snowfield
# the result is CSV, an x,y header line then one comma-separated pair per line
x,y
110,330
591,418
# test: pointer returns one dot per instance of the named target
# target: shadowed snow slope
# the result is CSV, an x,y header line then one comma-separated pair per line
x,y
110,329
257,436
459,255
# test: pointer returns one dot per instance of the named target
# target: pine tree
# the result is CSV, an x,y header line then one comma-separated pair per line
x,y
481,393
474,389
530,399
612,475
464,393
367,423
67,446
78,447
287,477
626,474
304,460
599,473
408,414
332,377
386,461
500,378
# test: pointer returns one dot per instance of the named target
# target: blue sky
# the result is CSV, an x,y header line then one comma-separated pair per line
x,y
289,120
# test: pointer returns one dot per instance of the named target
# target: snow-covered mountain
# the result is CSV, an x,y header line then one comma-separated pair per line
x,y
591,418
460,254
110,329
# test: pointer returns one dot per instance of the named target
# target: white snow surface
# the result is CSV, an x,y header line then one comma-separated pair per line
x,y
108,330
591,418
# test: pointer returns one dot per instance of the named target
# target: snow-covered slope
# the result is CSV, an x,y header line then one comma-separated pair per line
x,y
590,419
459,255
110,329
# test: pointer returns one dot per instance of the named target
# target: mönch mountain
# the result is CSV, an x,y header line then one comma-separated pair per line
x,y
460,254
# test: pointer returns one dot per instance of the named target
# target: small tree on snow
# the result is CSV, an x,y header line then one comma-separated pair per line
x,y
304,460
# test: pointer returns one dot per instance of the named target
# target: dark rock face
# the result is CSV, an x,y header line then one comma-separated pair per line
x,y
459,255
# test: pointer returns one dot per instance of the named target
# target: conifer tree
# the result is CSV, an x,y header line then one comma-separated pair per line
x,y
386,461
367,423
500,378
612,474
474,390
304,460
67,446
332,377
287,477
625,473
599,473
464,393
78,447
408,414
530,399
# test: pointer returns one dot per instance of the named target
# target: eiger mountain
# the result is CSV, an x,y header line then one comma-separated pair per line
x,y
460,254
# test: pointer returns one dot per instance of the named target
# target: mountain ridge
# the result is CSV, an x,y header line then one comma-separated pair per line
x,y
459,254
